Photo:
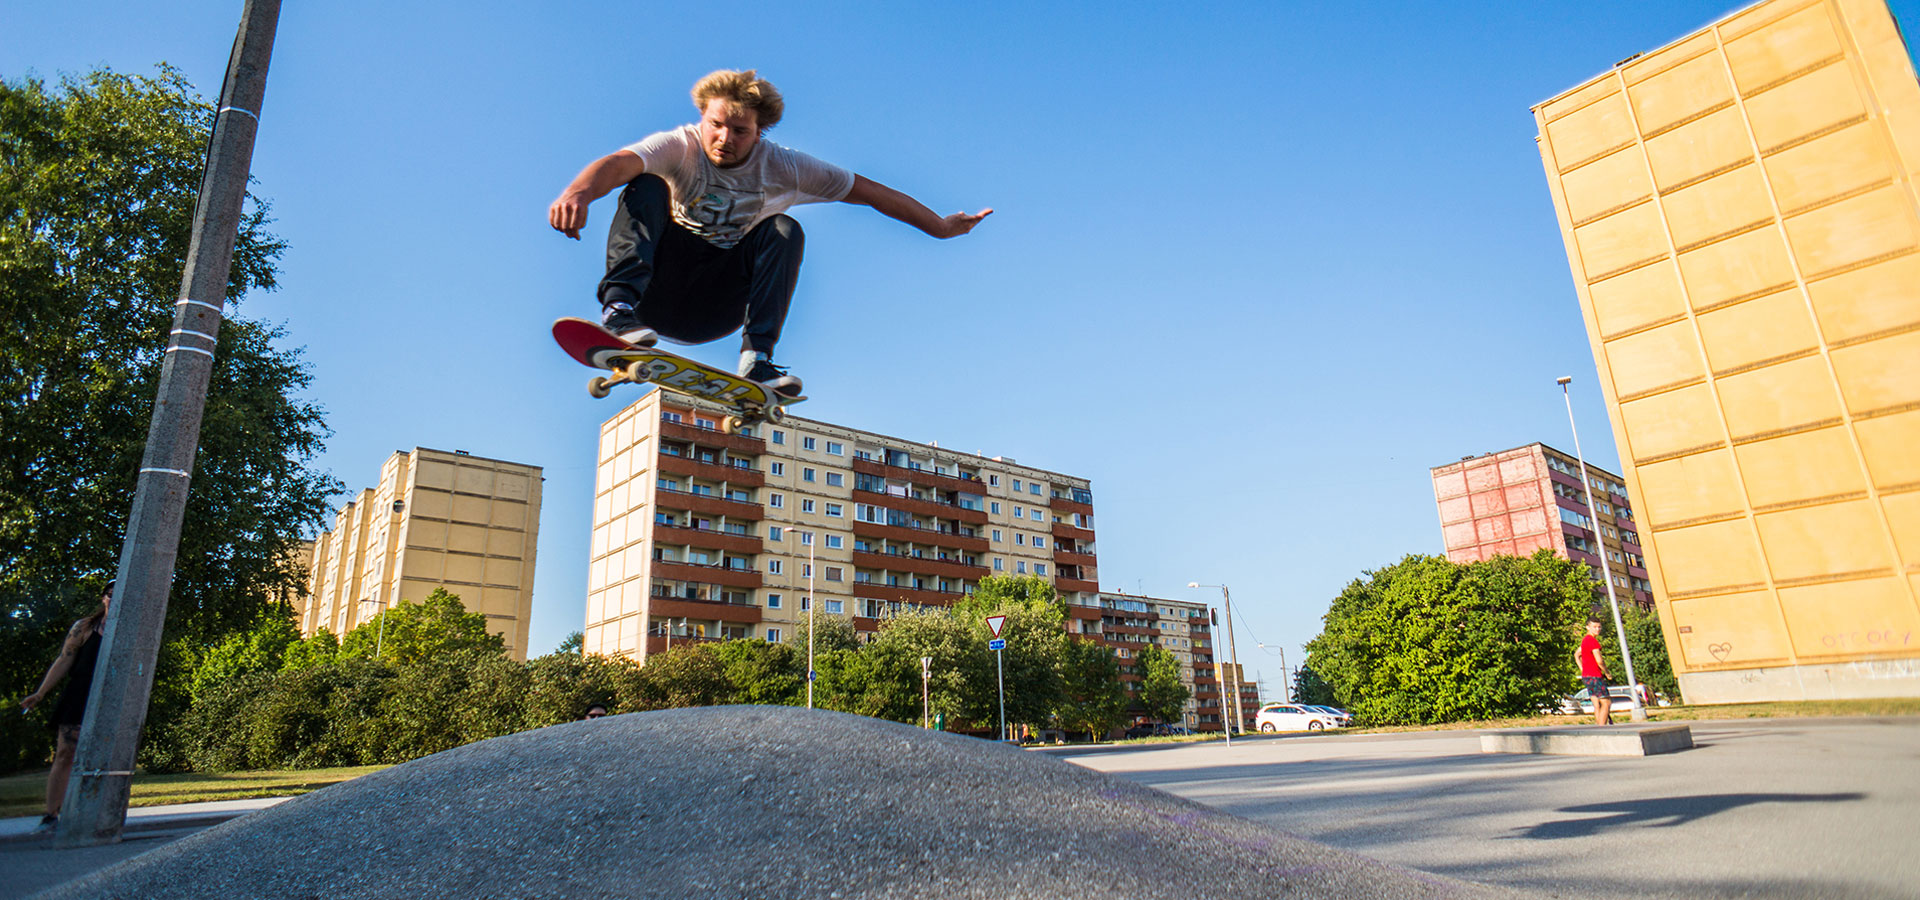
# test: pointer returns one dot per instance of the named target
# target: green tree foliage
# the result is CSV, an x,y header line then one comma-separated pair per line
x,y
262,648
410,632
1092,699
1310,688
1426,640
1162,693
960,681
306,653
572,643
102,174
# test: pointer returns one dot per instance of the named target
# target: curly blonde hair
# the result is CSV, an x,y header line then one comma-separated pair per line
x,y
743,89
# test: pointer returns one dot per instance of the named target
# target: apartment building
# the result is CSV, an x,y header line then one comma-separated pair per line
x,y
700,535
1520,501
1129,623
1741,212
436,519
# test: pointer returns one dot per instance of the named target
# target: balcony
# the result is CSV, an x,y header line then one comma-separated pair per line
x,y
1112,628
664,570
738,476
708,437
866,623
919,565
914,534
1076,611
1068,505
871,591
707,539
1065,585
1070,558
702,610
667,498
1063,531
922,477
657,643
936,508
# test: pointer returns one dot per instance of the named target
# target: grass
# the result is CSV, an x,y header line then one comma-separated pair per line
x,y
24,794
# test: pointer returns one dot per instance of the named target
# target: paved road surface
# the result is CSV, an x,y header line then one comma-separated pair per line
x,y
1826,808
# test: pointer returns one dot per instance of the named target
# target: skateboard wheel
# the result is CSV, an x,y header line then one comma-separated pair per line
x,y
597,386
776,414
732,425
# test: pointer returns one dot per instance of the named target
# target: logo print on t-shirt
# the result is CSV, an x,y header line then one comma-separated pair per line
x,y
724,212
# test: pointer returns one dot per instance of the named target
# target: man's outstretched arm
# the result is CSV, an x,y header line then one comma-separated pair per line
x,y
895,205
568,214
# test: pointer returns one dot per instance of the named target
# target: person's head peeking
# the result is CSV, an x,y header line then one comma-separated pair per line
x,y
735,109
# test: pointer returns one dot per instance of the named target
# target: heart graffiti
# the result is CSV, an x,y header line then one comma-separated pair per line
x,y
1720,650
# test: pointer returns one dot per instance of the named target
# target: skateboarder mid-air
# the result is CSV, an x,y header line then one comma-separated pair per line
x,y
700,244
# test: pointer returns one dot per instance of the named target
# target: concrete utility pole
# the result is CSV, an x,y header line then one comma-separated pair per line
x,y
1639,711
96,805
1233,700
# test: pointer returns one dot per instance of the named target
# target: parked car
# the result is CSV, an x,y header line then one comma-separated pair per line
x,y
1346,718
1293,717
1144,729
1580,703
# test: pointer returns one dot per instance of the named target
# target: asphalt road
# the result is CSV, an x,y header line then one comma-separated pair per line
x,y
1821,808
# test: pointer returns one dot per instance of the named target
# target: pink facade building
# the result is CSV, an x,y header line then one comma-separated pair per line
x,y
1520,501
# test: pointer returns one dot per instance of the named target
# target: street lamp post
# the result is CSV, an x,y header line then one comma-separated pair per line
x,y
1639,709
1232,652
1286,686
812,602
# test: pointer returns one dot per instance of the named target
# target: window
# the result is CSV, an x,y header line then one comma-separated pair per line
x,y
836,448
835,479
835,542
993,480
1016,485
777,469
806,570
773,602
773,567
995,508
806,538
744,496
1035,515
774,532
836,573
836,510
835,606
1019,513
669,484
999,565
1020,567
996,535
1020,539
777,501
806,443
703,423
670,417
806,505
779,437
806,603
1039,568
1033,489
773,635
1040,542
806,474
867,512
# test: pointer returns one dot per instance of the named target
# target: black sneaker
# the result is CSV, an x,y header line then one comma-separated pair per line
x,y
621,320
47,825
775,377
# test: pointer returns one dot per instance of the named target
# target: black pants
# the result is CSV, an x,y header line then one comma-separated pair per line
x,y
692,291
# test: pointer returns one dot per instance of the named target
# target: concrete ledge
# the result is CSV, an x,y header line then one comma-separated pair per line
x,y
1643,740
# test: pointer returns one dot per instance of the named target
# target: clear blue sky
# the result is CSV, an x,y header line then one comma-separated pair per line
x,y
1254,267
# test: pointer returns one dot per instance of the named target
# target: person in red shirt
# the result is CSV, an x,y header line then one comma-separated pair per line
x,y
1593,673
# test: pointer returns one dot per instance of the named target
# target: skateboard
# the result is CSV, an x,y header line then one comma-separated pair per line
x,y
591,345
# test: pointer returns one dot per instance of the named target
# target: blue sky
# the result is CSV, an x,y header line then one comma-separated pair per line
x,y
1253,269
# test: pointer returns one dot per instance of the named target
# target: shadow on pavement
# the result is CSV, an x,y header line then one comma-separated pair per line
x,y
1662,812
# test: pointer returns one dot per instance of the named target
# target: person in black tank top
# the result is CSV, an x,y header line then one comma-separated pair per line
x,y
78,654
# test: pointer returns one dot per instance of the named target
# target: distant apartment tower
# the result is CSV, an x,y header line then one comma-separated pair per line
x,y
436,519
1520,501
1742,218
700,535
1129,623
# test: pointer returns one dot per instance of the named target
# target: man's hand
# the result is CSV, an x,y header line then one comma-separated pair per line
x,y
960,223
31,700
568,214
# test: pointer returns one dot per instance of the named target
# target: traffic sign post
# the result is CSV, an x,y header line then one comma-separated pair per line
x,y
997,645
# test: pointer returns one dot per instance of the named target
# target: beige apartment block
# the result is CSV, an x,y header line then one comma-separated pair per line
x,y
700,535
1130,622
1741,217
436,519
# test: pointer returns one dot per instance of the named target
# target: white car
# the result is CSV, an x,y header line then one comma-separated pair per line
x,y
1293,717
1345,718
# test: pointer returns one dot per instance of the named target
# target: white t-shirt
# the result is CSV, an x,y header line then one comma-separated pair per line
x,y
722,205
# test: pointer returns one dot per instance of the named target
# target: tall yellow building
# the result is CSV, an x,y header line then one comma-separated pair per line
x,y
1741,217
700,535
436,519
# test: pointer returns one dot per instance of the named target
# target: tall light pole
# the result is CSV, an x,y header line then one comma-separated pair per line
x,y
812,602
1639,710
1286,687
1227,599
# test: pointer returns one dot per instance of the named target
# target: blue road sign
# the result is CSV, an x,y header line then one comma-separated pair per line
x,y
997,644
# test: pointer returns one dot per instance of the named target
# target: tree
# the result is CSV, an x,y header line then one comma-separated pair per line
x,y
1161,690
1310,688
260,649
306,653
762,673
1035,637
960,683
1426,640
1092,699
102,174
1651,664
574,643
416,631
